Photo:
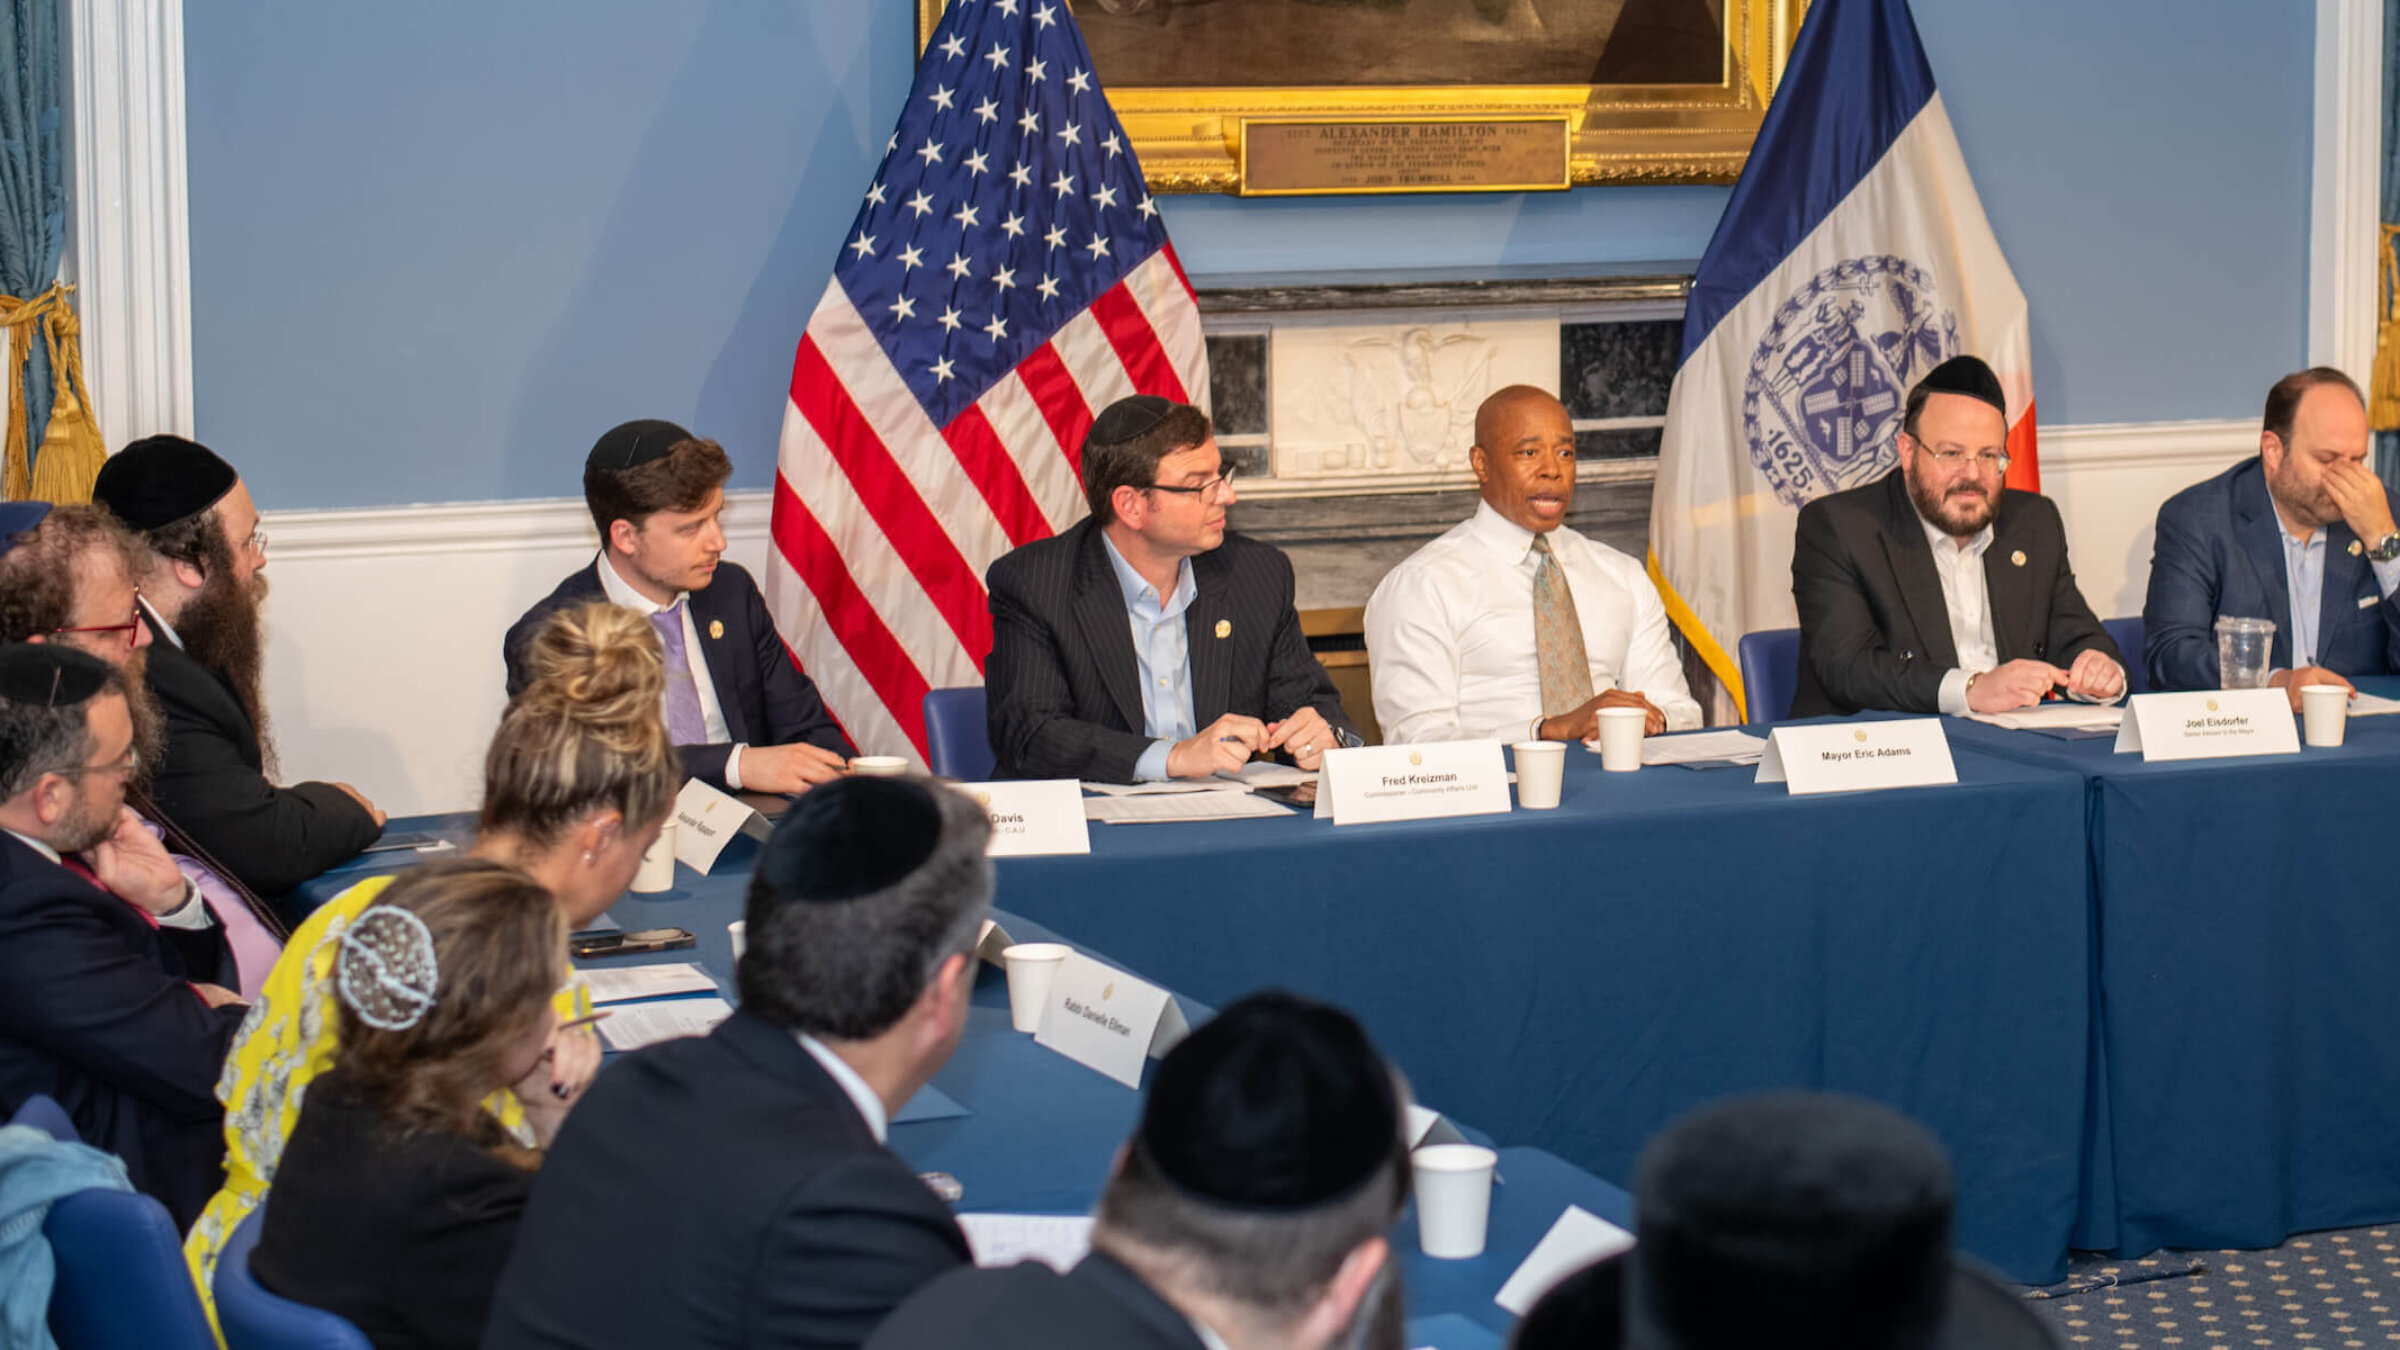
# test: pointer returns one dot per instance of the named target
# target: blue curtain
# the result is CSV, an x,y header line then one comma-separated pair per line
x,y
33,177
2387,443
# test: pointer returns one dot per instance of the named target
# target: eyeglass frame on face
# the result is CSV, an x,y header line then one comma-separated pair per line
x,y
1952,460
1209,492
131,630
128,766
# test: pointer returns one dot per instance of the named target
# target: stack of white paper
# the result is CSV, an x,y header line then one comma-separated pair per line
x,y
1699,747
1056,1240
1235,804
2057,717
634,1025
624,984
2368,705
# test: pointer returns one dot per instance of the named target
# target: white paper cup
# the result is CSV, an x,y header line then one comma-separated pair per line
x,y
1540,766
739,932
658,865
1031,967
2324,710
1621,738
1454,1198
879,766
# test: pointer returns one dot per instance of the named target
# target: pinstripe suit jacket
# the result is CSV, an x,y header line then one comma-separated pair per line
x,y
1061,690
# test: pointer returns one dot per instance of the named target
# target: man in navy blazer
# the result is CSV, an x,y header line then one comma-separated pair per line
x,y
748,1167
112,970
2301,535
743,715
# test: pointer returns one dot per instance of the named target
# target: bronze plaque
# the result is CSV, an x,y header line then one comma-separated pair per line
x,y
1482,154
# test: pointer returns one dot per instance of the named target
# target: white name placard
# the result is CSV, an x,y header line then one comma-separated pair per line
x,y
1105,1019
706,820
1412,782
2208,724
1039,816
1853,756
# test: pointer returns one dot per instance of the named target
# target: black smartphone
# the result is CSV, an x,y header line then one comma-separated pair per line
x,y
413,840
609,942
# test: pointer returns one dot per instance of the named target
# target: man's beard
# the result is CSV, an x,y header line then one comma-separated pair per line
x,y
220,629
1936,509
82,828
149,723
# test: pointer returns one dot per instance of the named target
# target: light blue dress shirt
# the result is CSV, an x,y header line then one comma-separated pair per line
x,y
2304,575
1161,658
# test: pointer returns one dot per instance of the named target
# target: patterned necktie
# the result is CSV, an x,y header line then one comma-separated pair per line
x,y
1558,637
684,720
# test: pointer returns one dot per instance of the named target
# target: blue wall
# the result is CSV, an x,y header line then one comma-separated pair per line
x,y
438,247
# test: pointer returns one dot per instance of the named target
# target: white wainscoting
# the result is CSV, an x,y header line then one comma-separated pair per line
x,y
383,661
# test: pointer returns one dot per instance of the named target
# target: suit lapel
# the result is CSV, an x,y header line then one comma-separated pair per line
x,y
2008,589
2260,537
1107,634
2344,572
723,648
1209,654
1911,561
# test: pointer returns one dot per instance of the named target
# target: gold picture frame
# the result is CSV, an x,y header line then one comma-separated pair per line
x,y
1190,138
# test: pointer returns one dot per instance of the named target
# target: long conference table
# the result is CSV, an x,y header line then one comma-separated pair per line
x,y
2142,1005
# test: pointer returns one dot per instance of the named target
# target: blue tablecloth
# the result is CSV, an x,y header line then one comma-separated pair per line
x,y
2248,916
1573,979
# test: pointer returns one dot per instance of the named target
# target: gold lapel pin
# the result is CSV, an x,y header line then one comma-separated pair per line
x,y
2017,557
2355,548
1224,628
716,627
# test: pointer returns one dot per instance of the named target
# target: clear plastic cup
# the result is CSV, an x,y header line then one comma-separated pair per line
x,y
2244,649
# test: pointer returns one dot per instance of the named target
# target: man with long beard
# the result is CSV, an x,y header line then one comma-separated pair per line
x,y
1935,588
110,1000
67,577
200,598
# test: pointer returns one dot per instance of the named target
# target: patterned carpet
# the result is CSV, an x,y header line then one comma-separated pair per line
x,y
2324,1291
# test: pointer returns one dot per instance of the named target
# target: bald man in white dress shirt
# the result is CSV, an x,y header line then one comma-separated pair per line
x,y
1512,626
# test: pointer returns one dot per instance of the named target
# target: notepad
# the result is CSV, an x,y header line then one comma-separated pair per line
x,y
625,984
1056,1240
633,1025
1233,805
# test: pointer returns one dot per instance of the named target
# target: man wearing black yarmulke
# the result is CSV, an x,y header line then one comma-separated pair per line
x,y
1936,588
749,1165
1249,1209
1148,642
742,714
201,598
112,970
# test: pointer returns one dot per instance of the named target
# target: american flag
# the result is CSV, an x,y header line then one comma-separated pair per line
x,y
1007,277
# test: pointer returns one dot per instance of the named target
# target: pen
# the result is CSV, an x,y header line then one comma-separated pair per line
x,y
584,1021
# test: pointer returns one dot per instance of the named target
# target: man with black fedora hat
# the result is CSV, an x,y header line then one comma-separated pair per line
x,y
1148,642
1936,588
743,715
201,599
1248,1211
750,1163
1787,1221
112,970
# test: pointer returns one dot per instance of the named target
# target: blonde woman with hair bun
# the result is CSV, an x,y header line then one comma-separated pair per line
x,y
577,783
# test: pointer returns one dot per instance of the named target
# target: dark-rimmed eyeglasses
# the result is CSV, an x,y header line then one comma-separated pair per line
x,y
1215,489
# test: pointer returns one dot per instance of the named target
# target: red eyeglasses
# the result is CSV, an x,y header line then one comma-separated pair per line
x,y
128,628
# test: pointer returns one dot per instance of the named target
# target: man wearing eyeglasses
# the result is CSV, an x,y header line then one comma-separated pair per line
x,y
1935,588
1148,642
112,973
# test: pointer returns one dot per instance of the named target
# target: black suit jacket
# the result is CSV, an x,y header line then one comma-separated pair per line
x,y
1099,1303
763,1209
1874,629
1062,690
97,1011
211,782
404,1235
765,698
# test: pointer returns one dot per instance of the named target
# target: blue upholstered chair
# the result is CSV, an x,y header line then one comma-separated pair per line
x,y
120,1278
45,1115
256,1319
957,740
1770,662
2127,634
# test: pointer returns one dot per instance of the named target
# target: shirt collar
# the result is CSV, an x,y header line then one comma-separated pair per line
x,y
1944,545
621,592
1505,536
1135,588
854,1087
2293,543
161,620
36,845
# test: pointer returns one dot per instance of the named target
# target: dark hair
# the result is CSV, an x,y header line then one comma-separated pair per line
x,y
679,480
199,540
1134,463
2283,400
850,969
36,739
587,734
1277,1261
39,576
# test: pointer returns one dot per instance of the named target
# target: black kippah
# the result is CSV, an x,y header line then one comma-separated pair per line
x,y
850,837
162,480
633,444
1280,1103
1966,375
47,675
1127,418
19,518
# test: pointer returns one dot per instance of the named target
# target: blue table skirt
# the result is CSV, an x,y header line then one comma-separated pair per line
x,y
2249,953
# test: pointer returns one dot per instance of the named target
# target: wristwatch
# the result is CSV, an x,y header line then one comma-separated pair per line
x,y
2386,548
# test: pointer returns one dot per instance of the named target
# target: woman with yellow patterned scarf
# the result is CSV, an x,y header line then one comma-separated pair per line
x,y
579,779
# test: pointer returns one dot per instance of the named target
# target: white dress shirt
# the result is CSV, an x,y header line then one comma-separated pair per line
x,y
1450,641
854,1087
191,916
1969,603
621,592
